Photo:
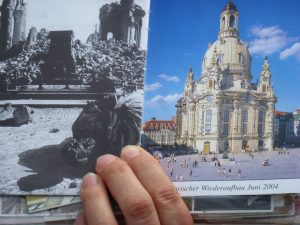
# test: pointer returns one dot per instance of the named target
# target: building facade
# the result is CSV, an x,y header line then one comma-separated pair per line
x,y
293,129
223,110
159,132
280,124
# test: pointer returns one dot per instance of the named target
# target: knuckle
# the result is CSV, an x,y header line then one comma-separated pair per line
x,y
119,167
140,207
167,196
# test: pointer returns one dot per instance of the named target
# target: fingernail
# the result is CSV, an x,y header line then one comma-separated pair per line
x,y
130,152
89,180
104,161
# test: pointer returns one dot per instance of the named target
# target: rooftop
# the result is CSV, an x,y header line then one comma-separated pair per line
x,y
159,124
230,6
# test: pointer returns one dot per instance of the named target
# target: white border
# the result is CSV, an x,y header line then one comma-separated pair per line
x,y
247,187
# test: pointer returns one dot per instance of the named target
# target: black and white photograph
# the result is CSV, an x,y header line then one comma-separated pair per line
x,y
71,89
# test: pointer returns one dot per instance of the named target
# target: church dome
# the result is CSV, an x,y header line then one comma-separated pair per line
x,y
228,50
230,6
229,53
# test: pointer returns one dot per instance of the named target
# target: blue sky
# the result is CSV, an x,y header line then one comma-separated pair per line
x,y
181,30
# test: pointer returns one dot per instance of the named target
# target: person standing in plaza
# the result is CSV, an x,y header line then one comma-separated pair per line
x,y
239,172
177,177
181,177
219,164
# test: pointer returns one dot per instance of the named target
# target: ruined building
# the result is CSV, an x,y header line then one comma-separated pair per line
x,y
122,21
12,23
59,64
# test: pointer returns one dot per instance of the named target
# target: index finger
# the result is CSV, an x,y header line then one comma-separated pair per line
x,y
169,205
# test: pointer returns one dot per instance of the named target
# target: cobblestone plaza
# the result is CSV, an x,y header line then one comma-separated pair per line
x,y
282,166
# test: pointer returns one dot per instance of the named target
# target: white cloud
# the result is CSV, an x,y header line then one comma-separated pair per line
x,y
169,78
294,50
268,40
160,101
267,31
152,87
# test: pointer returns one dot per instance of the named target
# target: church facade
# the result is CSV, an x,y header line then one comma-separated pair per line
x,y
223,110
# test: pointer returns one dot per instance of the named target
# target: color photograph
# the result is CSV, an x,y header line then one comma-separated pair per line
x,y
221,110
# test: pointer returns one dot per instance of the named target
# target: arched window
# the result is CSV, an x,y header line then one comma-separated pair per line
x,y
226,122
245,122
243,84
241,58
208,119
211,84
232,21
220,58
109,36
226,116
260,128
223,22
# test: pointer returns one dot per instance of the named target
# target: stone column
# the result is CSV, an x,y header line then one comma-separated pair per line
x,y
19,23
236,142
7,25
193,124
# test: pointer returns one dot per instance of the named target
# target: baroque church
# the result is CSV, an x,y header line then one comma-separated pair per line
x,y
222,110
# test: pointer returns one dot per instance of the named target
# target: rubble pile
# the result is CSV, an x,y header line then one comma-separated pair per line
x,y
24,69
121,62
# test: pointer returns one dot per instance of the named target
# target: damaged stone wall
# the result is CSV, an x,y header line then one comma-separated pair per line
x,y
122,21
12,24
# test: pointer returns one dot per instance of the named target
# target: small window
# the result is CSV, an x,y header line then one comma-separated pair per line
x,y
220,58
260,128
226,122
243,84
223,22
232,21
241,58
211,84
245,122
208,119
226,129
226,116
110,36
245,116
260,116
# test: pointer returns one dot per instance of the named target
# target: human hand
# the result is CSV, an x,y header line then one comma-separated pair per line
x,y
139,185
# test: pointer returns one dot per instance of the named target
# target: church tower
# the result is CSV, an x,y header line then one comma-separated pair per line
x,y
189,82
229,21
265,78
